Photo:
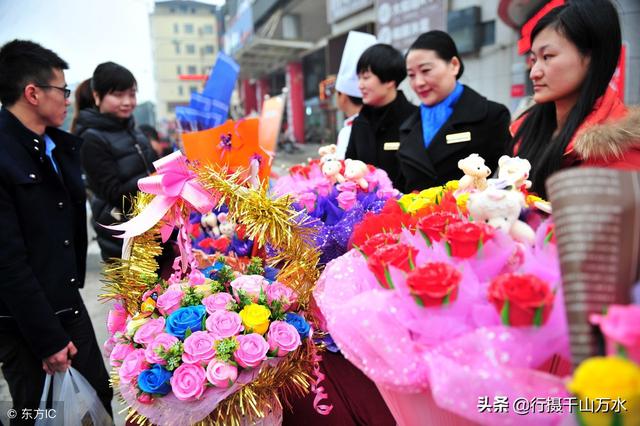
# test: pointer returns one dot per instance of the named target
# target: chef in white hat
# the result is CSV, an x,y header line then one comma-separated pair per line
x,y
349,97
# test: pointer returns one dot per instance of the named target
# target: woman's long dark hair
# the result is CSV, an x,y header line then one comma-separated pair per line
x,y
593,27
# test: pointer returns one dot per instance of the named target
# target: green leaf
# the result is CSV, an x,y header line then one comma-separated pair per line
x,y
229,382
188,332
412,265
262,299
548,238
447,247
426,239
445,301
480,246
203,323
504,314
418,300
621,351
387,277
537,319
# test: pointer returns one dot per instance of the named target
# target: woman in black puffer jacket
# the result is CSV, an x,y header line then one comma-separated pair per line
x,y
114,154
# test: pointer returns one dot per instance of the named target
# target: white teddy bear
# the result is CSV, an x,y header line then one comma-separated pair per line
x,y
514,171
475,173
209,221
501,208
355,171
227,226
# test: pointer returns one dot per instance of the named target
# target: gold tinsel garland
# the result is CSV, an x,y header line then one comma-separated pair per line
x,y
266,220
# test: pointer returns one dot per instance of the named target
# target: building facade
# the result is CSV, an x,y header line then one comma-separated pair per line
x,y
185,40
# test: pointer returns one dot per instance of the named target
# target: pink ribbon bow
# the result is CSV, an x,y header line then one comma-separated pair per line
x,y
173,181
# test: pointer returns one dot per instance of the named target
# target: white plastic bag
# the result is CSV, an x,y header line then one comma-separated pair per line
x,y
75,402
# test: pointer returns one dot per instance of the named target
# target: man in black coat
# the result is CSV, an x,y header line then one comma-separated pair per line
x,y
44,326
375,135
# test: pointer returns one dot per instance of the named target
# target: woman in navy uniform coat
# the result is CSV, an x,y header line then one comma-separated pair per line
x,y
453,121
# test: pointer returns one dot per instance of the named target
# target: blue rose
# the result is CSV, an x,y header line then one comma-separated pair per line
x,y
155,380
270,273
299,323
183,319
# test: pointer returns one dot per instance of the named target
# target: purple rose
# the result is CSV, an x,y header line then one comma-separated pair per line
x,y
169,301
148,331
162,341
283,338
223,324
199,348
221,374
279,291
252,285
252,350
217,302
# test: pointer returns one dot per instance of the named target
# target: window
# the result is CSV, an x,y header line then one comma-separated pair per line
x,y
179,69
488,33
172,10
176,28
188,28
191,49
180,90
193,89
209,50
207,29
176,45
192,69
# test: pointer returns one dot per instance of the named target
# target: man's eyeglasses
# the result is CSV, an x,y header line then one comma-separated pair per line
x,y
66,92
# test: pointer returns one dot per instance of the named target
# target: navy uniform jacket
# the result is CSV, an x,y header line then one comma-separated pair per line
x,y
476,125
43,235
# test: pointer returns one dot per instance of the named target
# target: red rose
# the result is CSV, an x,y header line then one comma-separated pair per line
x,y
433,225
377,241
300,170
434,283
464,238
399,255
521,299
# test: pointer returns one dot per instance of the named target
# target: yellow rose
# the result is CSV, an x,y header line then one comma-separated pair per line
x,y
432,193
134,324
461,200
608,378
418,204
203,290
255,318
452,185
406,200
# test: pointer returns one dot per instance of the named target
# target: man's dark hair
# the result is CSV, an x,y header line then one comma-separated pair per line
x,y
110,77
355,100
385,62
23,62
149,131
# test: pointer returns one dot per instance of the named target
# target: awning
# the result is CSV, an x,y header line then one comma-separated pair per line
x,y
516,12
261,56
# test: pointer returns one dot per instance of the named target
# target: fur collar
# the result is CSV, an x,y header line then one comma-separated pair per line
x,y
609,141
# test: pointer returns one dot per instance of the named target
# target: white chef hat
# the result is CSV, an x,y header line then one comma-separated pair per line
x,y
347,80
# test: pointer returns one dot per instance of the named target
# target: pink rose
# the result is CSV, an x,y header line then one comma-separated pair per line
x,y
187,382
148,331
108,346
217,302
178,287
224,324
169,301
199,347
620,327
252,350
308,200
119,353
278,291
116,320
132,365
283,337
162,341
196,277
346,200
384,194
324,188
221,374
250,284
347,187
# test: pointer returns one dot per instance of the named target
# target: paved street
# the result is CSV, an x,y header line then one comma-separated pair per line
x,y
98,310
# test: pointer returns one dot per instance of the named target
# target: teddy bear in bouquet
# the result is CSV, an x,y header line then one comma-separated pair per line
x,y
501,209
355,171
475,173
514,172
330,165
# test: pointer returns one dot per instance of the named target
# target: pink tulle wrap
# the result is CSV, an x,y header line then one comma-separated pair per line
x,y
451,355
